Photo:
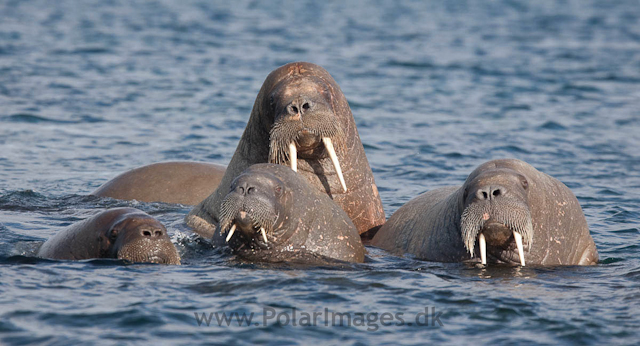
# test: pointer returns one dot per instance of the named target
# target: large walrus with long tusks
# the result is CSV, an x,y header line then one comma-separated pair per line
x,y
270,213
122,233
184,182
506,212
301,119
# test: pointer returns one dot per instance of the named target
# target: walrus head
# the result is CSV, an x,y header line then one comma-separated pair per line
x,y
305,124
140,239
256,206
496,214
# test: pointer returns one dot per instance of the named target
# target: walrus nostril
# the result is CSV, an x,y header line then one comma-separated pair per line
x,y
146,233
496,193
158,233
250,190
242,188
305,106
482,195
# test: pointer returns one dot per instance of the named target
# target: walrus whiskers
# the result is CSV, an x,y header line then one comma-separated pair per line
x,y
334,159
512,215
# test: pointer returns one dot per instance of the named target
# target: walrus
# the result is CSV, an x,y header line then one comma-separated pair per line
x,y
183,182
301,118
270,213
506,212
122,233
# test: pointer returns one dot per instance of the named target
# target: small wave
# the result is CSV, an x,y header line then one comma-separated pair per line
x,y
83,51
552,125
425,65
35,119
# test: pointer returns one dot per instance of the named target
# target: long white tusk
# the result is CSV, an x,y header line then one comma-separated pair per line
x,y
293,156
483,248
334,160
233,229
518,239
264,234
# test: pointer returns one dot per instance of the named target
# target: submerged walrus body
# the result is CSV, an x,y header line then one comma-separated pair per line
x,y
183,182
123,233
301,119
270,213
506,212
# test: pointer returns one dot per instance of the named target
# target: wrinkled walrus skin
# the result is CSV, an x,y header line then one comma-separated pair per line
x,y
122,233
300,103
272,214
183,182
499,199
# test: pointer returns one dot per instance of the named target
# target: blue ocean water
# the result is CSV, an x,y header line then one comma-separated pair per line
x,y
89,89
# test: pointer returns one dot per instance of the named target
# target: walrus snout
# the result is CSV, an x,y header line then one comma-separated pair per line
x,y
144,250
497,218
305,125
146,244
250,206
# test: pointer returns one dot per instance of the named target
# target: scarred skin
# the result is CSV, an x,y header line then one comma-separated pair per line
x,y
301,223
305,96
183,182
430,225
123,233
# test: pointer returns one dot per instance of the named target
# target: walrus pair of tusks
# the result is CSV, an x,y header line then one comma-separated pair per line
x,y
233,229
293,155
483,247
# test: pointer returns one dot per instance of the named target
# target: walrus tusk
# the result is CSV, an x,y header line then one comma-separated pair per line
x,y
264,234
334,160
233,229
293,156
483,248
518,239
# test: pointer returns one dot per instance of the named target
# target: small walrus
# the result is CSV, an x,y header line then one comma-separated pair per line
x,y
270,213
511,211
301,119
183,182
123,233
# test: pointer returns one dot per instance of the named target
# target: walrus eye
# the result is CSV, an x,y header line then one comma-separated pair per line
x,y
113,234
525,184
278,190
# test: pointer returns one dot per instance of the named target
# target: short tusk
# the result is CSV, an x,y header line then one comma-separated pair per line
x,y
233,229
293,156
334,159
518,239
483,248
264,234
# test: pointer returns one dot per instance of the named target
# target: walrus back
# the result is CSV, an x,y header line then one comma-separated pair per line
x,y
423,227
